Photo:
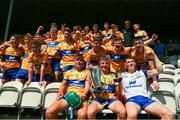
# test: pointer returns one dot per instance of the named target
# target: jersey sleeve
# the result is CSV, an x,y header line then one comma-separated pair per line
x,y
66,75
30,58
144,71
58,47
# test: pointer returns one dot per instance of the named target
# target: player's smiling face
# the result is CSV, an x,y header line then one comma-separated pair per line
x,y
138,44
67,36
79,63
104,65
118,44
14,41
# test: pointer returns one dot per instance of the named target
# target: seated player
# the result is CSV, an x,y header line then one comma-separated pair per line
x,y
74,87
106,96
135,86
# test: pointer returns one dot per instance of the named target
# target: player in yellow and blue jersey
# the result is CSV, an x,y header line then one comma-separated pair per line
x,y
10,59
76,80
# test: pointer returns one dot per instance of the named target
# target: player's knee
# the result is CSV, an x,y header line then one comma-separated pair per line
x,y
132,115
91,112
170,115
166,113
82,114
50,113
121,113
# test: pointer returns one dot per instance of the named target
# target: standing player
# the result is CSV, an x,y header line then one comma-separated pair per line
x,y
40,68
67,51
10,59
51,47
118,53
22,74
140,55
93,56
140,33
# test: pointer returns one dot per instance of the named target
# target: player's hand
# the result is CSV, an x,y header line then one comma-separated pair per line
x,y
42,83
40,28
155,85
154,37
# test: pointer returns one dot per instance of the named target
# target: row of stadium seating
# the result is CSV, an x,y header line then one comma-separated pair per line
x,y
14,94
169,93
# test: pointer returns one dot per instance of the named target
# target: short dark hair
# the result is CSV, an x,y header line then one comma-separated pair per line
x,y
138,39
117,39
128,57
68,30
79,56
15,36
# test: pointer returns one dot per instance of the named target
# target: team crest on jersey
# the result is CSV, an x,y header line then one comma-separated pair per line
x,y
12,57
132,82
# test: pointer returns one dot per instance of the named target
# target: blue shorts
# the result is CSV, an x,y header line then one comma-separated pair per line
x,y
68,67
22,74
10,74
47,77
101,100
142,101
55,64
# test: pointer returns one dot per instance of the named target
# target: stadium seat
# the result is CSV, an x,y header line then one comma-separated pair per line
x,y
170,66
106,111
166,82
176,79
168,71
166,86
166,98
49,95
9,94
177,92
31,97
177,71
165,77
